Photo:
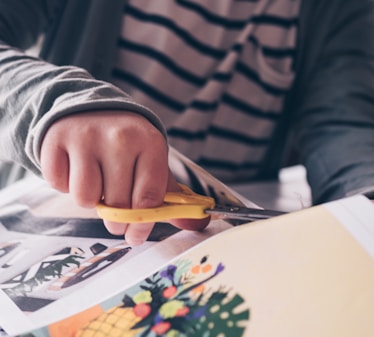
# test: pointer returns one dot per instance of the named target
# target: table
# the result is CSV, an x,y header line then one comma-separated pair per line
x,y
290,193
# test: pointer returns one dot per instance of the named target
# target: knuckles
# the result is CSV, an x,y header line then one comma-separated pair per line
x,y
148,198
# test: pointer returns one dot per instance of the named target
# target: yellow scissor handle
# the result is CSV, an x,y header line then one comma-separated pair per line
x,y
177,205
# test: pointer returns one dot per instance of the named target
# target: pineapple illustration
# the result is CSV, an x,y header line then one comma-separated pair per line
x,y
115,322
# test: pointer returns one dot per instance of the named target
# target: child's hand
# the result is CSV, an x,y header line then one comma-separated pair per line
x,y
119,156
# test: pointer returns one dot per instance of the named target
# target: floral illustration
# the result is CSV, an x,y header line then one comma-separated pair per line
x,y
176,301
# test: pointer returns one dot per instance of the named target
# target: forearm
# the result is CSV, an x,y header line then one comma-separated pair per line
x,y
336,133
335,101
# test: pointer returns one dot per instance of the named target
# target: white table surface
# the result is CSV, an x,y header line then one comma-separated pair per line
x,y
290,193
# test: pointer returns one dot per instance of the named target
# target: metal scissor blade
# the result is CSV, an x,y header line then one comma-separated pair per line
x,y
242,213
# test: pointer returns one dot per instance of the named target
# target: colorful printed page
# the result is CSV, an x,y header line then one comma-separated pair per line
x,y
57,259
309,273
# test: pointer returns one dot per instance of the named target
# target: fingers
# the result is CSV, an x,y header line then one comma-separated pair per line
x,y
191,224
85,178
69,166
54,163
150,180
186,224
144,179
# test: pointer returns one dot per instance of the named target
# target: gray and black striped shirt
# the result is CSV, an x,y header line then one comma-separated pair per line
x,y
215,71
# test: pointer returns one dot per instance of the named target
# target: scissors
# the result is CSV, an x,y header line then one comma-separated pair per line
x,y
185,204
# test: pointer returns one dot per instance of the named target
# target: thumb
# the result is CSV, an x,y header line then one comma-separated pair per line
x,y
187,224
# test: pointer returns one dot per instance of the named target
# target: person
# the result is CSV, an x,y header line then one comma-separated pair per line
x,y
231,84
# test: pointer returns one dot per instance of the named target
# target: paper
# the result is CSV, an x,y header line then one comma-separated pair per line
x,y
301,274
54,256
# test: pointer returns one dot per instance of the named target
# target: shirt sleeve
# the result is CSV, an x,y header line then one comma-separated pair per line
x,y
335,101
